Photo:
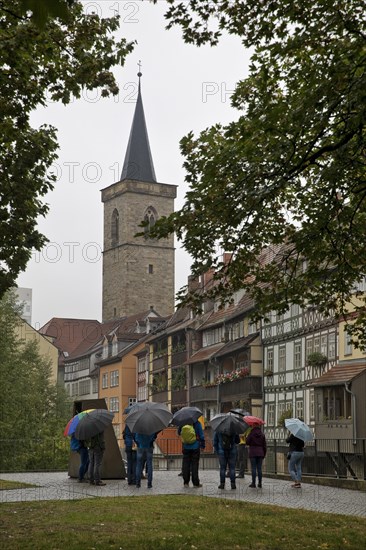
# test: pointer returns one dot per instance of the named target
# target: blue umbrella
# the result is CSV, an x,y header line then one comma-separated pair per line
x,y
299,429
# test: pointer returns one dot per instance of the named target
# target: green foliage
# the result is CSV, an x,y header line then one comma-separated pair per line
x,y
32,408
290,170
316,359
54,61
286,414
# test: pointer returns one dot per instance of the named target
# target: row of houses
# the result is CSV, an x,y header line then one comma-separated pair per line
x,y
297,364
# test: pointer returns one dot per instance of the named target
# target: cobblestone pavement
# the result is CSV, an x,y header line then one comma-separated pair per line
x,y
58,486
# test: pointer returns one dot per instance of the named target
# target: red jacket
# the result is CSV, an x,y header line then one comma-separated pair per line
x,y
257,443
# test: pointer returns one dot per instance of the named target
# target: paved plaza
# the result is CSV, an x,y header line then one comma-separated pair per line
x,y
58,486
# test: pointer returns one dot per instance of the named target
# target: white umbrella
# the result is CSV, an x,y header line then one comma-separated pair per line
x,y
299,429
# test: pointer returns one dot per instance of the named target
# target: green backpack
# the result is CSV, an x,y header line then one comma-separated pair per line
x,y
188,434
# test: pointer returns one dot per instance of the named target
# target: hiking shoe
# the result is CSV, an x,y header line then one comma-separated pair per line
x,y
221,486
252,485
149,486
233,486
91,482
100,483
180,474
197,486
259,485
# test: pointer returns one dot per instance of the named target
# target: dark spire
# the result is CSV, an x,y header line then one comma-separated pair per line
x,y
138,164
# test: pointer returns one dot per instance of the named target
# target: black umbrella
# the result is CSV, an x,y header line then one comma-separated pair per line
x,y
240,412
148,418
186,415
92,423
228,423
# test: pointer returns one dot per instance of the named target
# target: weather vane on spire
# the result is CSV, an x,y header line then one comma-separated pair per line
x,y
139,74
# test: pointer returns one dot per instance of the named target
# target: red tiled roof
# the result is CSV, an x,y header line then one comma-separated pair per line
x,y
340,374
67,334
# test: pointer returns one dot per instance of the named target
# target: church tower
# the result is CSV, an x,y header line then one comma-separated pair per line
x,y
138,272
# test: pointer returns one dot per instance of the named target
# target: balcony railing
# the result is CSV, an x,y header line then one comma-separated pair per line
x,y
178,358
251,385
160,363
200,393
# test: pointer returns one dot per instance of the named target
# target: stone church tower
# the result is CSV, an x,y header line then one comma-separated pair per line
x,y
138,273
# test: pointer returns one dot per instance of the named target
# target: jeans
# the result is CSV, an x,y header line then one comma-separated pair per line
x,y
84,462
256,463
191,458
227,459
142,455
95,462
294,465
131,465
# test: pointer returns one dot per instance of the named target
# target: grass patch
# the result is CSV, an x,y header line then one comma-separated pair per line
x,y
7,485
172,522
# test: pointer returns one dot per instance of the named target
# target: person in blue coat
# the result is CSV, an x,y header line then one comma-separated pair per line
x,y
145,447
191,456
225,446
130,455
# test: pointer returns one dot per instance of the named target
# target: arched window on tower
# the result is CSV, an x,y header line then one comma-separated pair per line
x,y
150,217
115,228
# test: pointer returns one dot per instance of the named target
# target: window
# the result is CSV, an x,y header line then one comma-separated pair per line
x,y
105,380
114,404
312,404
324,345
347,343
295,310
309,347
114,378
95,385
297,355
131,401
270,359
253,328
271,414
316,347
282,359
151,269
150,218
299,408
115,228
331,345
84,387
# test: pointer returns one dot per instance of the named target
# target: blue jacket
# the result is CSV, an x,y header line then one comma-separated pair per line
x,y
217,443
144,441
200,438
128,437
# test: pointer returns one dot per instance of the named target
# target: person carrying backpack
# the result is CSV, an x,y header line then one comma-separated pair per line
x,y
193,440
225,448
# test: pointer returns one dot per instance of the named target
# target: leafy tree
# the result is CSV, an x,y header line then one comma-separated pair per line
x,y
32,408
52,61
282,188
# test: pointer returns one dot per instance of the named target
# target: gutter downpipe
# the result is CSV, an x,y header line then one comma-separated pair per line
x,y
353,412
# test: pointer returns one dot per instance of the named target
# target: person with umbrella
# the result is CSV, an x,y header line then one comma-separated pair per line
x,y
256,441
225,447
191,454
96,446
299,433
145,447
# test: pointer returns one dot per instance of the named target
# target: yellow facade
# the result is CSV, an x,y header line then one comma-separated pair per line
x,y
27,333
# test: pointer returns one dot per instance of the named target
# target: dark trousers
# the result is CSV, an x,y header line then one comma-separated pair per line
x,y
131,465
191,458
84,462
227,459
95,463
256,463
241,459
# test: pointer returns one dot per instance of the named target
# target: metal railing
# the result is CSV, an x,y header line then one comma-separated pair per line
x,y
340,458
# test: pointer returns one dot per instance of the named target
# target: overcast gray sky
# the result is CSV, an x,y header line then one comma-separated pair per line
x,y
183,88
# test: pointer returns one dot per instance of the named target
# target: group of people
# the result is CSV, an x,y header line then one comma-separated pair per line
x,y
139,454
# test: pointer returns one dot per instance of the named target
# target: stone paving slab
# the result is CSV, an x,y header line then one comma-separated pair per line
x,y
58,486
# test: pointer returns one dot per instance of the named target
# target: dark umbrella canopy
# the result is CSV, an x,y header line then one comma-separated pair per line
x,y
148,418
92,423
240,412
228,423
186,415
